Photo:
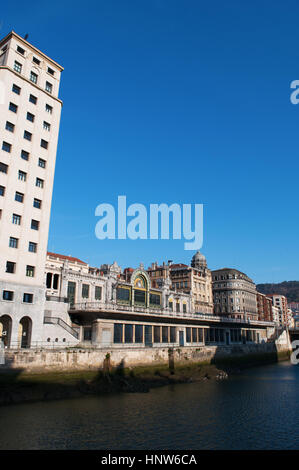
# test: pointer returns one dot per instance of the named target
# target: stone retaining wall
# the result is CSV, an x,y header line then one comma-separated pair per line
x,y
80,359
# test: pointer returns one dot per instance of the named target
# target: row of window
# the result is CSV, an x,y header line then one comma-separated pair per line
x,y
9,295
32,99
19,197
182,284
22,51
97,294
22,175
127,333
33,76
14,243
7,147
71,290
30,117
177,307
10,127
17,219
25,156
11,269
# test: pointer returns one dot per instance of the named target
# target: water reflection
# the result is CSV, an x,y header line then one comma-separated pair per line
x,y
255,410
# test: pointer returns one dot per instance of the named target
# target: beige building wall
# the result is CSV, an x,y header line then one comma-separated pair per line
x,y
36,77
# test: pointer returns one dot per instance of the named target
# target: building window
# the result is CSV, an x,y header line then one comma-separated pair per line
x,y
19,197
34,224
17,67
13,107
22,175
36,61
6,147
32,247
155,299
49,280
98,293
184,308
27,135
118,333
46,126
157,334
10,267
85,291
20,50
51,71
37,203
13,242
7,295
138,333
42,163
9,126
39,183
24,155
178,307
2,190
49,87
49,109
123,294
128,333
28,298
30,117
33,77
170,304
32,99
16,219
44,144
3,167
30,271
16,89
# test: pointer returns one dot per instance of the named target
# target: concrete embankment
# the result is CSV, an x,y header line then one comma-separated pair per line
x,y
29,376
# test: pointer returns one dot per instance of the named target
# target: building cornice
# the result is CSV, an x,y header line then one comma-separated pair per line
x,y
6,67
30,46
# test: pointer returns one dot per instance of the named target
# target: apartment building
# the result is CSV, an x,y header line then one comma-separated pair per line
x,y
264,307
280,302
29,125
195,280
234,294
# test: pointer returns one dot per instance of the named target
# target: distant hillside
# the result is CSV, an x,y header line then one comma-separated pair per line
x,y
288,288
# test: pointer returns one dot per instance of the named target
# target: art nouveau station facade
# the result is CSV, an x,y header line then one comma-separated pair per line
x,y
111,307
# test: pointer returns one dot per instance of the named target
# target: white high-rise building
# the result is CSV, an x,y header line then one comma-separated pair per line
x,y
29,126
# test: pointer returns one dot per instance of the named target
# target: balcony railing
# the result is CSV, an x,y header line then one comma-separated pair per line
x,y
115,307
55,298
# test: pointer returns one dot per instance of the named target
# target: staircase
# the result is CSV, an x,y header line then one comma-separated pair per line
x,y
63,324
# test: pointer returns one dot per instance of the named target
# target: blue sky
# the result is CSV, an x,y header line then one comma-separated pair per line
x,y
176,102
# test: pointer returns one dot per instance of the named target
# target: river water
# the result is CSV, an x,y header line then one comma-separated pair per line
x,y
258,409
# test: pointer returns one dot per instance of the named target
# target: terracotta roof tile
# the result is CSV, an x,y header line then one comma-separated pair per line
x,y
69,258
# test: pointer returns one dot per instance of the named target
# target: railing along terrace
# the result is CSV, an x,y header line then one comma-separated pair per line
x,y
42,345
55,298
101,306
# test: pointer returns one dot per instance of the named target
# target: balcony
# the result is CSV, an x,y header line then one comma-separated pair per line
x,y
137,309
55,298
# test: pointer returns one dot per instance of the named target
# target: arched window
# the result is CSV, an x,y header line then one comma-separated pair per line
x,y
5,330
25,328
